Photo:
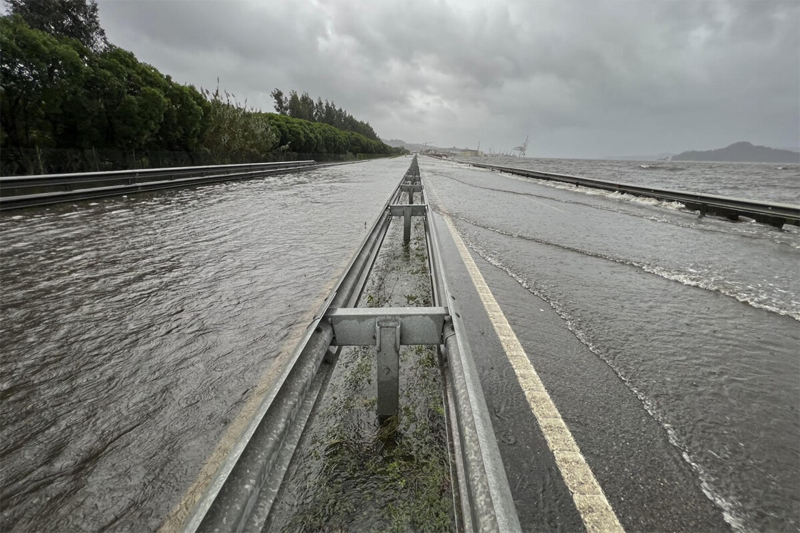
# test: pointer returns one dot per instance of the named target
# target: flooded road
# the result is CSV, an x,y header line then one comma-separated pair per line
x,y
697,319
134,330
771,182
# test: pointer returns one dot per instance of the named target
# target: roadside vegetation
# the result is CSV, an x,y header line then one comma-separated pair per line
x,y
304,107
352,473
72,101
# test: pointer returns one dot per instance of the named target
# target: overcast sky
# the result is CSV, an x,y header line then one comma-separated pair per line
x,y
585,78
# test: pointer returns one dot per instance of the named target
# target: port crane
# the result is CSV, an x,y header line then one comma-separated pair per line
x,y
521,149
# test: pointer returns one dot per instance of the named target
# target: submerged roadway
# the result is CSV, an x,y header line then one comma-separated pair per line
x,y
639,363
668,387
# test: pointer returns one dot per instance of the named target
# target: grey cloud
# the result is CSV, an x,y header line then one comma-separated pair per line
x,y
582,78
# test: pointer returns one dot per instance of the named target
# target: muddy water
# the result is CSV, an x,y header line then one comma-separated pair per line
x,y
134,330
699,318
774,182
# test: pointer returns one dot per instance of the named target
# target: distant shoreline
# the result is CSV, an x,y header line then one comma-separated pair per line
x,y
741,152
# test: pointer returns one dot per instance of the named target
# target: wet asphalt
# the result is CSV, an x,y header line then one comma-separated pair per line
x,y
648,484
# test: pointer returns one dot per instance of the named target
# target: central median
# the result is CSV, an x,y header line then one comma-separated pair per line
x,y
378,421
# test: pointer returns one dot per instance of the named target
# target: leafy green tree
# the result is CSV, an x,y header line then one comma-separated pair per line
x,y
39,77
58,93
183,125
77,19
281,102
127,101
297,135
306,107
319,111
293,105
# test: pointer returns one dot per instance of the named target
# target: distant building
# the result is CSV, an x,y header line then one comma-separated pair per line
x,y
466,153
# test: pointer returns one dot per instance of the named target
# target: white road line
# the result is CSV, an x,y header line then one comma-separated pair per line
x,y
591,502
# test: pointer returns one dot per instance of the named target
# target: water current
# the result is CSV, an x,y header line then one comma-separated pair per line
x,y
697,316
773,182
135,329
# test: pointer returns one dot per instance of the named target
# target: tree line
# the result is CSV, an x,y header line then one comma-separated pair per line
x,y
304,107
65,89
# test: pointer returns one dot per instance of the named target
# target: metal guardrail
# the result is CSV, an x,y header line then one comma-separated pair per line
x,y
242,493
483,494
17,191
775,214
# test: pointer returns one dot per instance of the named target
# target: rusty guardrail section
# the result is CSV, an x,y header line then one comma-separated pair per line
x,y
28,191
775,214
244,489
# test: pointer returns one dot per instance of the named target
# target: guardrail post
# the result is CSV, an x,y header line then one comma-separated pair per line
x,y
407,225
387,332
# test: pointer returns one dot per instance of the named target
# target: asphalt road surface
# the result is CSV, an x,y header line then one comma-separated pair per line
x,y
675,377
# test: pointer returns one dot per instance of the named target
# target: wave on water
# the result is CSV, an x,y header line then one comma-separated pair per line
x,y
616,195
729,187
755,181
692,279
754,230
668,168
729,507
651,202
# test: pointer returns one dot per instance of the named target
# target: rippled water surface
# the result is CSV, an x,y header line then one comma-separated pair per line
x,y
700,318
133,329
775,182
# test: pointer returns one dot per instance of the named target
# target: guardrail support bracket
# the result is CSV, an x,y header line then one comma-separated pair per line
x,y
387,335
407,225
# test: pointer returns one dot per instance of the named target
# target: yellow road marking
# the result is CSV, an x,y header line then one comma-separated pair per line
x,y
591,502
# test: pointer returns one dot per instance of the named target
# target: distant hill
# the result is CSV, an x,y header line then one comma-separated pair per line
x,y
394,142
741,152
416,147
412,147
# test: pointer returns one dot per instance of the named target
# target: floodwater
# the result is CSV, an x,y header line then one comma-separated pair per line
x,y
134,330
699,318
772,182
